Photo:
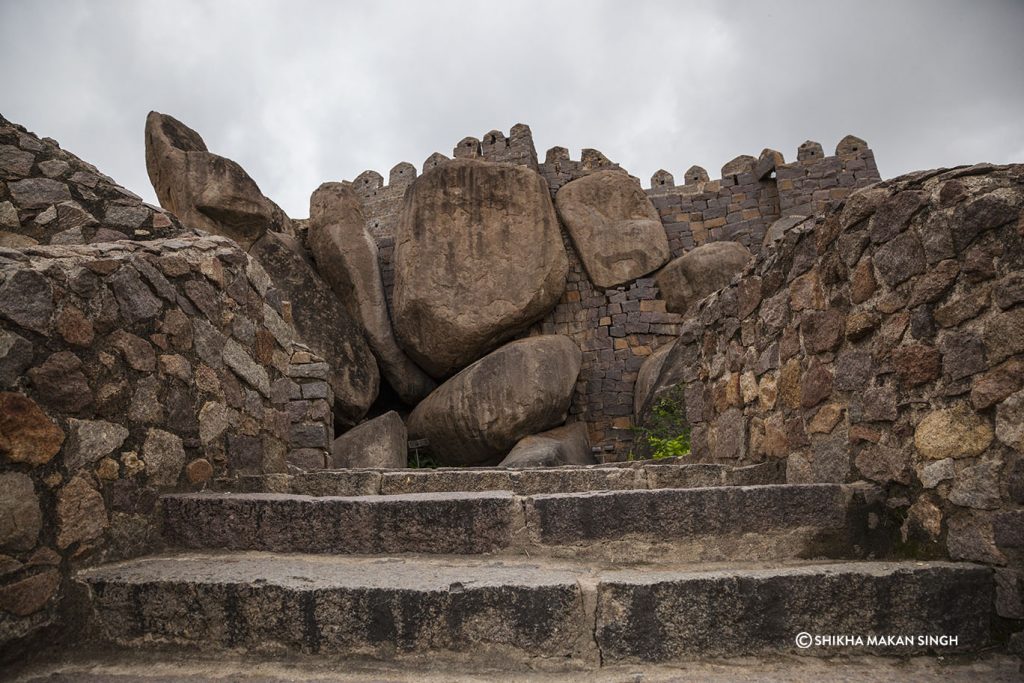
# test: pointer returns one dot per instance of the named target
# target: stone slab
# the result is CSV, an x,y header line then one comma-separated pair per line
x,y
376,607
551,613
707,524
527,481
653,618
430,523
699,524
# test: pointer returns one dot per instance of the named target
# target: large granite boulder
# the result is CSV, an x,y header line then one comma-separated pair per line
x,y
205,190
346,257
323,323
478,415
615,227
380,442
699,272
478,258
568,445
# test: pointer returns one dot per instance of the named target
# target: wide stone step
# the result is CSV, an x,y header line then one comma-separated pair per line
x,y
533,612
836,608
737,522
462,523
526,481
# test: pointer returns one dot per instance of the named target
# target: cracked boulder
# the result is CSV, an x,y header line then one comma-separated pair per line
x,y
346,257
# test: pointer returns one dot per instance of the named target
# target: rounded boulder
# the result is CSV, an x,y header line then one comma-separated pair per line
x,y
615,227
700,272
478,258
477,416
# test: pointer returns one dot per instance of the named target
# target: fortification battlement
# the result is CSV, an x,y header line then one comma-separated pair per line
x,y
808,154
515,148
559,168
754,192
590,159
749,195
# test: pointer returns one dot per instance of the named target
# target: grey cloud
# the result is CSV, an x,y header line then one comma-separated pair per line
x,y
303,92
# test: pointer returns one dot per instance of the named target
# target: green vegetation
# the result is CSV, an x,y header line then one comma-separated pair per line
x,y
666,434
670,448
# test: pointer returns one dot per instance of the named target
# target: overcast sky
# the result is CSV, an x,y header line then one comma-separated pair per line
x,y
300,92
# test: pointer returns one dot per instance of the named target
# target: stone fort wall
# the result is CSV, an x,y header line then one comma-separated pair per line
x,y
617,329
882,342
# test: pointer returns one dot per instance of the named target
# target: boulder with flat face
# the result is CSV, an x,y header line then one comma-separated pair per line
x,y
478,415
700,272
615,227
647,376
568,445
346,257
380,442
323,324
204,190
478,258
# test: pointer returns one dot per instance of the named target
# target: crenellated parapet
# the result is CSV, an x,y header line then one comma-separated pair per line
x,y
809,185
753,192
381,201
433,161
516,148
694,175
559,168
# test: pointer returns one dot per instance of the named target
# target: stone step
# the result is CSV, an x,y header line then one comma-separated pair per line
x,y
737,522
531,613
527,481
736,612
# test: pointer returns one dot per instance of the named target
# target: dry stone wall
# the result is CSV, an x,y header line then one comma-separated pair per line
x,y
884,343
128,369
50,196
617,328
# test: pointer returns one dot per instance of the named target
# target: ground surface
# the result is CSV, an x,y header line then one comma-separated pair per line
x,y
156,668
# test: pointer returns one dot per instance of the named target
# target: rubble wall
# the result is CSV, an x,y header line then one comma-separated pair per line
x,y
129,369
884,343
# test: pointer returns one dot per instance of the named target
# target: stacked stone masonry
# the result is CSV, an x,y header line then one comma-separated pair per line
x,y
878,345
618,328
128,369
886,343
754,193
50,196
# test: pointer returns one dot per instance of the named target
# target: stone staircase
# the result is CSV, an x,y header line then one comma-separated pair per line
x,y
557,569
